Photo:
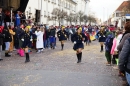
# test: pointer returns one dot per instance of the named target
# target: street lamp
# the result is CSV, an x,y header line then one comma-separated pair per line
x,y
11,9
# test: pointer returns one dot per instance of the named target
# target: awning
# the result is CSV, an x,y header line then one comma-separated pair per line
x,y
23,5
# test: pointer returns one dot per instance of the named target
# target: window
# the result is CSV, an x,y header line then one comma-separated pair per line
x,y
44,13
117,14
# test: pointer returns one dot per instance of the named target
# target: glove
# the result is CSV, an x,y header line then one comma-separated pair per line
x,y
83,42
31,39
22,39
103,36
99,36
74,42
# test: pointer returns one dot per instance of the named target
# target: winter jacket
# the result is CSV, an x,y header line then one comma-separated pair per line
x,y
7,35
116,43
126,36
124,57
52,32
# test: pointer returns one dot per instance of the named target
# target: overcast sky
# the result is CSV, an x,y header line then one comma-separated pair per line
x,y
102,8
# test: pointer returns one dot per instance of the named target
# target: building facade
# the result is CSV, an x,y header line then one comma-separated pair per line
x,y
41,10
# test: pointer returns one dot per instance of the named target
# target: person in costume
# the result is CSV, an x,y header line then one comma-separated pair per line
x,y
27,41
39,43
102,37
62,35
12,42
78,39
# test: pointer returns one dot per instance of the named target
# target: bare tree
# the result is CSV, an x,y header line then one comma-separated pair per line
x,y
91,19
85,19
75,19
59,14
80,16
70,18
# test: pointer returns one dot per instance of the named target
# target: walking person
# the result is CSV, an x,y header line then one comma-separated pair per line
x,y
62,35
39,43
78,39
1,42
27,41
102,37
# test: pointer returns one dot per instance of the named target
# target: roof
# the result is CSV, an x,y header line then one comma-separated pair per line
x,y
125,4
73,1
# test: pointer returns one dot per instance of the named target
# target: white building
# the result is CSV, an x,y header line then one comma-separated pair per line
x,y
42,9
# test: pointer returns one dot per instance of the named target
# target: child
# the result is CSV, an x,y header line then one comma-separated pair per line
x,y
108,46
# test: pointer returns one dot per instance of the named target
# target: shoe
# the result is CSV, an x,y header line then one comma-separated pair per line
x,y
42,50
108,64
7,55
79,61
27,61
1,59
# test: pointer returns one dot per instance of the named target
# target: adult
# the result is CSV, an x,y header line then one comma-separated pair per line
x,y
7,40
62,35
52,37
78,39
2,17
1,42
125,36
17,19
27,39
39,44
102,37
124,59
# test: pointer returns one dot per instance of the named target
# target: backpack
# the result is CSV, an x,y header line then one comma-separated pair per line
x,y
109,42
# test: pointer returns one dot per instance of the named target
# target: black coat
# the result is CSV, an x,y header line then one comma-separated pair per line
x,y
102,36
52,32
62,35
1,39
27,37
7,35
78,38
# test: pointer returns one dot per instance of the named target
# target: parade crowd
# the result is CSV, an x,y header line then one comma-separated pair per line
x,y
25,37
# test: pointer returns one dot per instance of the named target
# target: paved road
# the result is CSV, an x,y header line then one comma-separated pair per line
x,y
59,68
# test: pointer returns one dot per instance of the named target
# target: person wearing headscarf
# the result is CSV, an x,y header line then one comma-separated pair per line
x,y
78,39
62,35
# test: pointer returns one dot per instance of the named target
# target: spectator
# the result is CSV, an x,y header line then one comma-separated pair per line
x,y
124,59
2,17
1,42
7,40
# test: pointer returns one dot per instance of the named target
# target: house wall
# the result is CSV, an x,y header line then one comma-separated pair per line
x,y
47,7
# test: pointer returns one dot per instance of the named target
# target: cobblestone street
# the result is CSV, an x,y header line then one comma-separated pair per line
x,y
59,68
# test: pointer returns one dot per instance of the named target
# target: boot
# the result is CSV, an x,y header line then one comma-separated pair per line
x,y
114,59
7,54
78,58
62,46
27,58
0,56
101,49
